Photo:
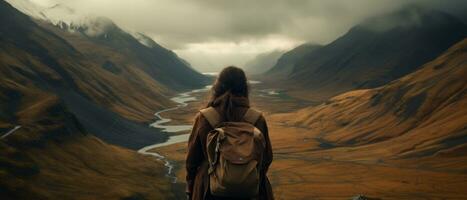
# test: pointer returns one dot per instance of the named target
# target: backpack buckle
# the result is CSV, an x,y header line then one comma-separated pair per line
x,y
220,137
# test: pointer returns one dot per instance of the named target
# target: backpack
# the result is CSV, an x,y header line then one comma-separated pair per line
x,y
235,151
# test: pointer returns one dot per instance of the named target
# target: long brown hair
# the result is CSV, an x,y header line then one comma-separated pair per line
x,y
231,82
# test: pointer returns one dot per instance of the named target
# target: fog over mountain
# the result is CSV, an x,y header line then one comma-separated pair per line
x,y
262,62
211,34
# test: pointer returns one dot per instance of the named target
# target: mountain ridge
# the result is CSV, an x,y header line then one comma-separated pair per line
x,y
368,58
95,81
285,63
430,99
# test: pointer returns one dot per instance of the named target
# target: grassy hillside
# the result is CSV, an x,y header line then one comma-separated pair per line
x,y
405,140
420,114
52,157
349,145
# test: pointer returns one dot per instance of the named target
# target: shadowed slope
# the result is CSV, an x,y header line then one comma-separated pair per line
x,y
142,53
286,63
52,157
111,92
375,52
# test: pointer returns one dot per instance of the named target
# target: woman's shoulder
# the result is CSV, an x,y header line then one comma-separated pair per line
x,y
261,119
257,114
199,117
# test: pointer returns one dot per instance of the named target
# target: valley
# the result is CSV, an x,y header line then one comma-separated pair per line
x,y
311,163
74,109
304,169
92,110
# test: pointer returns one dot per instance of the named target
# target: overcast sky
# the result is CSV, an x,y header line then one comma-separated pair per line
x,y
211,34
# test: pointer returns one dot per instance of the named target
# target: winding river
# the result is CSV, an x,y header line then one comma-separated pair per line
x,y
182,100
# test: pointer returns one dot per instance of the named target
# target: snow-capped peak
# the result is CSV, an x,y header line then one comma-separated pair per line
x,y
95,26
28,8
64,17
53,12
145,40
69,19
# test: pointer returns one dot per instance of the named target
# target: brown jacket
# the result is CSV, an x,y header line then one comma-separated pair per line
x,y
197,169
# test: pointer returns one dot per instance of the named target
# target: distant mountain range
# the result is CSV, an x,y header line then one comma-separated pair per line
x,y
371,53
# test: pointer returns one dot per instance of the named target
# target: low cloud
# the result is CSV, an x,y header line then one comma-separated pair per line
x,y
214,33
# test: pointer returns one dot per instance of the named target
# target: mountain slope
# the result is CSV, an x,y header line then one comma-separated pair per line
x,y
398,141
160,63
51,156
286,62
376,52
54,101
157,61
110,91
420,115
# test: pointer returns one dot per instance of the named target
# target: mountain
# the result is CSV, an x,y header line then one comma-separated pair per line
x,y
103,75
421,115
406,138
262,62
145,40
60,107
55,13
155,60
286,62
69,94
160,63
376,52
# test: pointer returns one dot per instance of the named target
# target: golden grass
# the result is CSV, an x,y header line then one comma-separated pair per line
x,y
86,168
375,152
50,157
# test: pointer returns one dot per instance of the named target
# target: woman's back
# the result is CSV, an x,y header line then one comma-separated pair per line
x,y
231,105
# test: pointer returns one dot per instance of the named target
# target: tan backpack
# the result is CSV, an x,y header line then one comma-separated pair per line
x,y
235,151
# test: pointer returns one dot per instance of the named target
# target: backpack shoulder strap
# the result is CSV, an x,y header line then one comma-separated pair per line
x,y
252,115
211,115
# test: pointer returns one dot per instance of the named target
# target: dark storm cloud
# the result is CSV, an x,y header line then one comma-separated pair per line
x,y
178,22
248,27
